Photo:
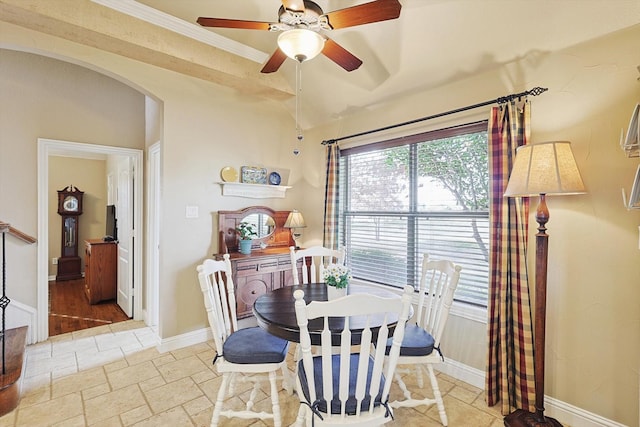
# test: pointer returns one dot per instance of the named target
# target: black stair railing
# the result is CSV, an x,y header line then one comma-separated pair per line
x,y
4,300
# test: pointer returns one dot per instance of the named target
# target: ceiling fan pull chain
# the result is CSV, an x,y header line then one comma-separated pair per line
x,y
298,95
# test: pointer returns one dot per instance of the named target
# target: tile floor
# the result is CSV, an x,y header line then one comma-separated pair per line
x,y
114,376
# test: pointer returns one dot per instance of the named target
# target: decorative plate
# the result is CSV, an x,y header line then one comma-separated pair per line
x,y
253,175
274,178
229,174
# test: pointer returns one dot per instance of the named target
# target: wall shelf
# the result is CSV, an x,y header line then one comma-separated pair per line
x,y
254,191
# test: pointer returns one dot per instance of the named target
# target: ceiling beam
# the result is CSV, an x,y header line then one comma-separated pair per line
x,y
91,24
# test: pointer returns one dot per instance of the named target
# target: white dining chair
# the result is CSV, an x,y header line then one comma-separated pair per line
x,y
348,385
247,352
318,257
421,344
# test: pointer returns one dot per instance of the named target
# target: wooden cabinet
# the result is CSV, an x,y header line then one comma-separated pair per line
x,y
264,269
100,270
258,273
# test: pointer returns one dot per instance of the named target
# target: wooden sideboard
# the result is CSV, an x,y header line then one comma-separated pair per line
x,y
264,269
100,270
259,273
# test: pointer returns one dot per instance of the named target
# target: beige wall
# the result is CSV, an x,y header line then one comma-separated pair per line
x,y
593,326
593,301
88,176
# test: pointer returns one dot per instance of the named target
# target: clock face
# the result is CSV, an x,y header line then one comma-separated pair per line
x,y
70,204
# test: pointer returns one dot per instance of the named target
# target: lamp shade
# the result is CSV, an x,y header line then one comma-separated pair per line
x,y
544,168
294,220
301,44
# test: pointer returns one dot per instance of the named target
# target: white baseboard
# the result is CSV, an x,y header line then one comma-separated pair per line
x,y
185,340
563,412
19,314
462,372
574,416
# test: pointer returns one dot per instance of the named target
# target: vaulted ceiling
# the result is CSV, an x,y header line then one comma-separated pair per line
x,y
433,42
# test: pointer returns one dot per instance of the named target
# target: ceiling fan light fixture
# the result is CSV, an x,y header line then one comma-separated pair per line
x,y
301,44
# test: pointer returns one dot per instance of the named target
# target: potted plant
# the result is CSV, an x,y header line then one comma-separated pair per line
x,y
246,232
337,278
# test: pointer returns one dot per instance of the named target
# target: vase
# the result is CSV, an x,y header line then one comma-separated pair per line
x,y
335,293
245,247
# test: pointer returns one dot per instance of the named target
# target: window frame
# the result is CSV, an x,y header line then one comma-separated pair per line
x,y
462,307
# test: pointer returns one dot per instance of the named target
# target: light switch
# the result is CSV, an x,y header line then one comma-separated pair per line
x,y
191,212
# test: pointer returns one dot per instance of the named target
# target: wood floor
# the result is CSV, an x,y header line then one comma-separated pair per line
x,y
69,309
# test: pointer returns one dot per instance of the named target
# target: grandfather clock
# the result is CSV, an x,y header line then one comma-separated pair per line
x,y
70,208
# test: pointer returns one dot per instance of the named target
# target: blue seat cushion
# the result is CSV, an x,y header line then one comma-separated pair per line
x,y
416,342
351,404
254,345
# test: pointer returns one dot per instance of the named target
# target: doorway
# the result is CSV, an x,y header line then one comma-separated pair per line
x,y
70,310
132,281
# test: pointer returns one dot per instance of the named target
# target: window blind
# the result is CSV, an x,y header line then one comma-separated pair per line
x,y
400,201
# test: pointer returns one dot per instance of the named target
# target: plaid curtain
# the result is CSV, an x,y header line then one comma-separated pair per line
x,y
510,366
330,235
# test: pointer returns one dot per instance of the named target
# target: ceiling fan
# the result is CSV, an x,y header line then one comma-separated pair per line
x,y
301,21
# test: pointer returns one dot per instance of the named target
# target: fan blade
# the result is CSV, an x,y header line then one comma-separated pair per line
x,y
340,55
233,23
274,62
294,5
375,11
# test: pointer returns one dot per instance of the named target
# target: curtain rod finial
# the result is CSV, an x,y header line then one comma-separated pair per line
x,y
538,90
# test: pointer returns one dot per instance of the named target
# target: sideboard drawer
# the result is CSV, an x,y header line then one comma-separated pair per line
x,y
243,268
268,265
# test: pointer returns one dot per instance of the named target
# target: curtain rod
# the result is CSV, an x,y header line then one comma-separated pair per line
x,y
501,100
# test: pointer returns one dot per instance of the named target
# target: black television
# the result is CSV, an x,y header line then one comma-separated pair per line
x,y
111,232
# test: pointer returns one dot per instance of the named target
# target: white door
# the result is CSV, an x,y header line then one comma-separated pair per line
x,y
124,214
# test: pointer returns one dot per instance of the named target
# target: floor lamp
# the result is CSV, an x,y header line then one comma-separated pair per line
x,y
541,169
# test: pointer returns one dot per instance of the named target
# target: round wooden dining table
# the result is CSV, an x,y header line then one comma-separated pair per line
x,y
275,312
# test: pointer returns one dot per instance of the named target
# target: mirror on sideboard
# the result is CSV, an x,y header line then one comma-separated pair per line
x,y
263,223
269,224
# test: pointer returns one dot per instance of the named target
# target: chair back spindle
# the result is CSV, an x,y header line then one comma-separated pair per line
x,y
346,382
314,261
438,283
219,298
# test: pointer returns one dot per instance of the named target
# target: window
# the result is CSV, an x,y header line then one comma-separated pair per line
x,y
426,193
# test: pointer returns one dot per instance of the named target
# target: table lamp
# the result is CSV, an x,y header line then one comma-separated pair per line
x,y
541,169
270,223
294,221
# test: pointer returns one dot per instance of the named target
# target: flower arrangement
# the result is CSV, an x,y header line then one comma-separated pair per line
x,y
336,275
246,231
